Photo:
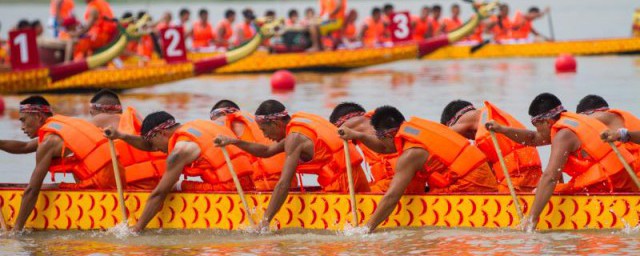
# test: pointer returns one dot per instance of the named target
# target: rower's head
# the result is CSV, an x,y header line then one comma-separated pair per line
x,y
346,113
185,15
203,14
272,117
309,13
157,128
386,120
230,15
503,10
455,10
462,117
534,12
352,16
591,104
105,101
387,9
424,12
166,17
34,112
222,108
436,11
293,15
376,13
545,110
248,15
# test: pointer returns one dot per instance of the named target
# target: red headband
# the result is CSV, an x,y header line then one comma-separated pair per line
x,y
591,111
218,112
106,108
163,126
346,117
549,114
35,108
459,114
271,117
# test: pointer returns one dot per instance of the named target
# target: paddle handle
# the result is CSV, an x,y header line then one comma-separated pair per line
x,y
512,190
3,223
237,182
633,175
352,189
553,37
116,173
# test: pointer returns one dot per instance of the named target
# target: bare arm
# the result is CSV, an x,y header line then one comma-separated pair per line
x,y
50,147
563,144
19,147
408,164
370,141
521,136
133,140
93,17
183,154
255,149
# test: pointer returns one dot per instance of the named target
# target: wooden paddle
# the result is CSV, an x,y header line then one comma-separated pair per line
x,y
512,190
2,222
352,189
633,175
479,46
237,182
116,172
553,37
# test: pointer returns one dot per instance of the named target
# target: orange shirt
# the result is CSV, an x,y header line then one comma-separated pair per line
x,y
327,6
66,9
375,32
524,26
247,31
502,29
228,31
435,26
421,27
451,24
202,34
349,31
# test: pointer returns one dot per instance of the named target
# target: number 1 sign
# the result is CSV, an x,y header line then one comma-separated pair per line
x,y
23,49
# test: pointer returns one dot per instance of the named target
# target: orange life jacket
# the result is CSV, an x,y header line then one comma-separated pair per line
x,y
517,157
594,161
375,32
349,31
632,123
145,46
327,6
103,24
451,24
248,31
162,25
138,165
421,27
228,31
524,28
66,9
202,34
381,165
477,34
89,146
211,166
328,161
435,26
502,29
444,145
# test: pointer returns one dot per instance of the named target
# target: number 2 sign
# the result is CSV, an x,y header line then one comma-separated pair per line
x,y
400,27
23,49
173,47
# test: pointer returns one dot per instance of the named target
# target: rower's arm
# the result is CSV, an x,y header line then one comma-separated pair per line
x,y
563,144
410,162
294,144
93,17
255,149
183,154
370,141
48,149
19,147
520,136
133,140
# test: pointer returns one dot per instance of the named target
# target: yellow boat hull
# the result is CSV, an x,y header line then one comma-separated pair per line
x,y
70,210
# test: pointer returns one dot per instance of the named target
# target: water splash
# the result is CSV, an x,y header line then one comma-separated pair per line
x,y
121,230
353,231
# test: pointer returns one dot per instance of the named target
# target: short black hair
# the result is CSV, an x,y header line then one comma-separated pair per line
x,y
105,93
455,6
534,9
543,103
343,109
436,7
375,10
387,7
248,14
22,24
452,108
309,9
386,117
225,104
184,11
154,119
591,102
270,13
36,23
36,100
203,11
127,15
269,107
293,12
229,12
141,14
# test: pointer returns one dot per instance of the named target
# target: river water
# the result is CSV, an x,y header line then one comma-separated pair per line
x,y
420,88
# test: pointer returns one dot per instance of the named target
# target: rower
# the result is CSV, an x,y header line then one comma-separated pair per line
x,y
192,153
184,16
99,29
453,23
522,27
349,32
266,170
428,153
164,22
373,31
354,117
332,14
202,31
421,24
436,23
523,162
293,18
84,151
60,10
311,145
387,11
245,30
576,149
615,119
224,30
501,26
309,17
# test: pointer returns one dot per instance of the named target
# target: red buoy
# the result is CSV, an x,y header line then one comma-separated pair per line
x,y
566,63
283,80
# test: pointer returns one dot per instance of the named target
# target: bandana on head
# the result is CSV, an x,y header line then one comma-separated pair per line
x,y
346,117
388,133
459,114
35,108
271,117
218,112
549,114
106,108
591,111
161,127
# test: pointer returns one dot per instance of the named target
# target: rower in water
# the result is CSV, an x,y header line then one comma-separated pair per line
x,y
428,153
576,149
267,171
311,145
523,162
615,119
191,153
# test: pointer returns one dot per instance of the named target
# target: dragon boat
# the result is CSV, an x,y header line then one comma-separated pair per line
x,y
95,210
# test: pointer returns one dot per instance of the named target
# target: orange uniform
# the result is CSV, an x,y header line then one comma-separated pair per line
x,y
267,171
454,165
436,25
103,29
594,167
451,24
247,30
477,34
502,29
66,8
228,31
144,47
524,26
375,32
328,160
349,32
202,34
523,163
631,122
421,28
211,166
90,162
327,7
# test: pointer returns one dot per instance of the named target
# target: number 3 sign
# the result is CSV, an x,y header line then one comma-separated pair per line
x,y
173,46
23,49
400,27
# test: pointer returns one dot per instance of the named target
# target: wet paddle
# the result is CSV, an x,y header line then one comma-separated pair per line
x,y
512,190
352,189
116,172
237,183
633,175
479,46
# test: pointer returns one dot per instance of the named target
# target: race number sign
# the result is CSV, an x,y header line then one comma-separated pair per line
x,y
173,47
23,49
400,27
